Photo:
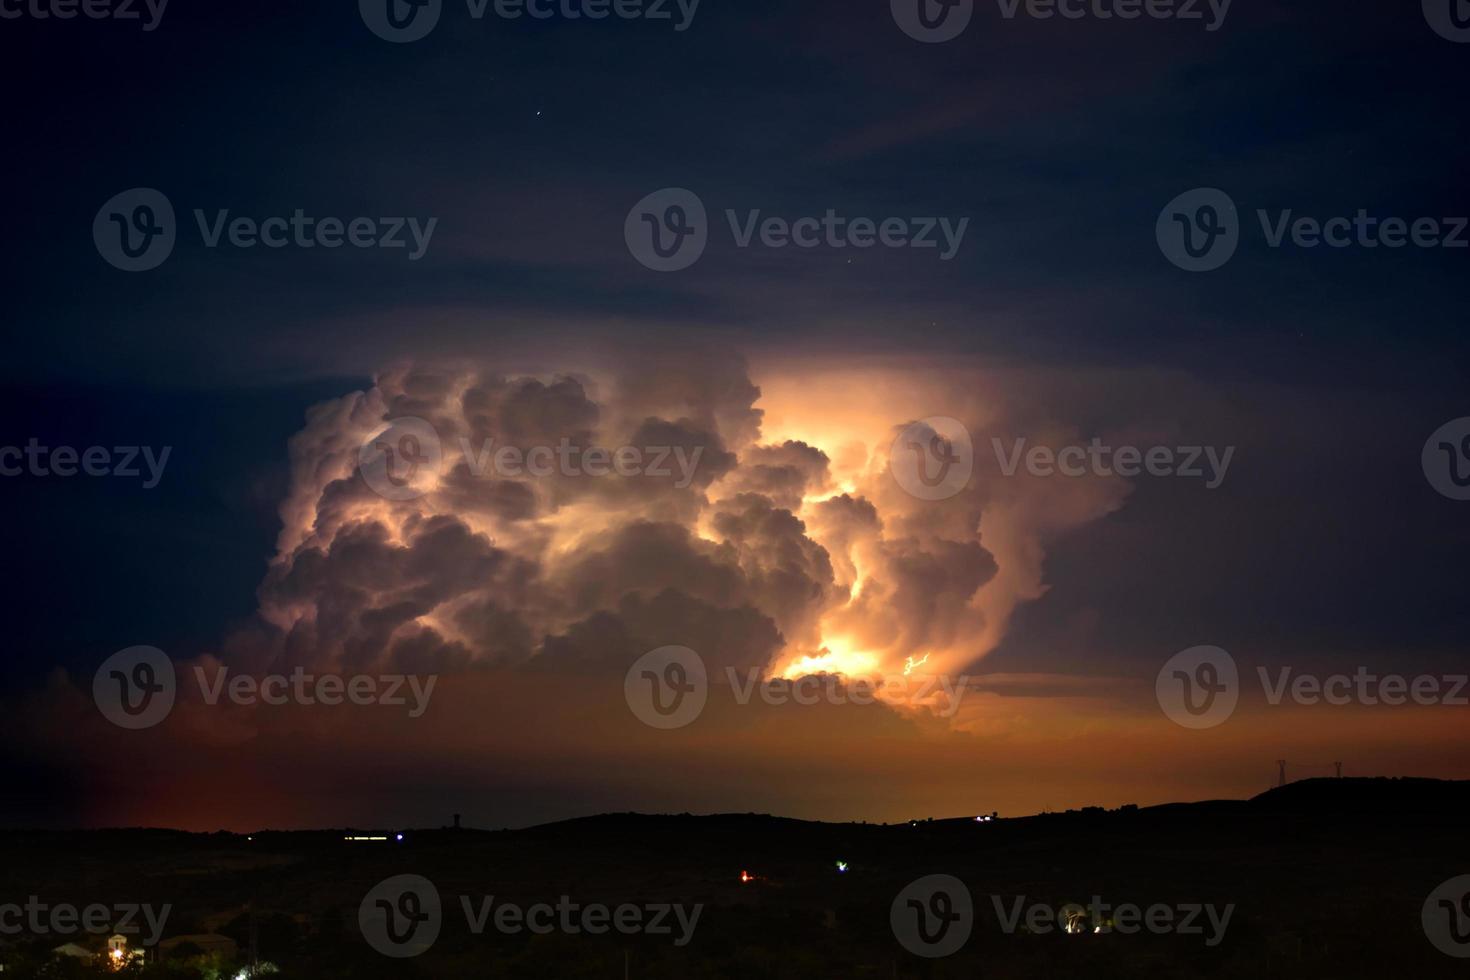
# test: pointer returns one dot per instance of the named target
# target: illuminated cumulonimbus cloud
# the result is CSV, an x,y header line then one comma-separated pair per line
x,y
790,547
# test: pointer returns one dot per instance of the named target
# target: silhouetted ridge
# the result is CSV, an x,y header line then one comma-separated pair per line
x,y
1372,795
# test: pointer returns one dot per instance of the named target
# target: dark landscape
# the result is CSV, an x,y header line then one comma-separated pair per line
x,y
1327,878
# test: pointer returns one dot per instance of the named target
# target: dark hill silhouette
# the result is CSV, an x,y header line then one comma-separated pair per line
x,y
1327,879
1372,795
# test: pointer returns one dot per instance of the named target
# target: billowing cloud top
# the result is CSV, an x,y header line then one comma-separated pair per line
x,y
459,518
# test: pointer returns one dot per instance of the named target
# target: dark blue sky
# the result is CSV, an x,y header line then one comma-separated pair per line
x,y
530,141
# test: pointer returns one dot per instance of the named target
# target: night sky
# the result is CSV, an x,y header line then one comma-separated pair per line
x,y
1325,549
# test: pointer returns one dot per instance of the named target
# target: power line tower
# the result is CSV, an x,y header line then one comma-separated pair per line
x,y
1310,766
